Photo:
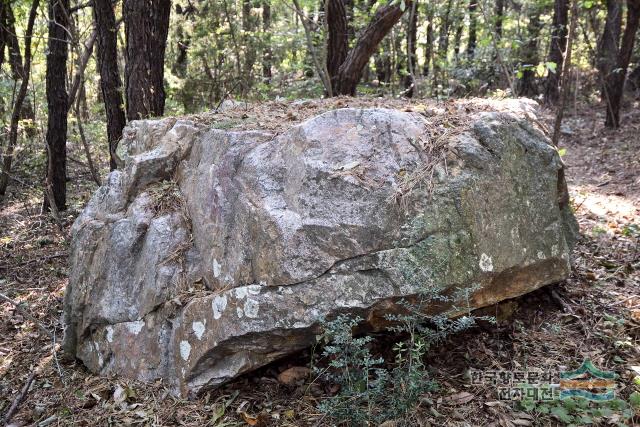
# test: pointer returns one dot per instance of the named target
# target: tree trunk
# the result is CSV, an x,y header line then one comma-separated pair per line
x,y
615,80
428,48
267,52
527,85
412,59
608,45
249,25
556,49
57,104
338,38
22,94
17,67
443,46
499,11
350,71
473,25
182,43
110,83
3,33
146,25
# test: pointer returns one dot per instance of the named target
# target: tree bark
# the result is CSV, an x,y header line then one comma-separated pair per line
x,y
443,45
350,71
428,47
527,85
412,59
7,158
57,103
267,52
338,38
615,80
608,45
146,25
473,25
110,83
249,25
557,47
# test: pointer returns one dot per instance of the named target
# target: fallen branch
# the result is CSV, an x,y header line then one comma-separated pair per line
x,y
19,398
26,314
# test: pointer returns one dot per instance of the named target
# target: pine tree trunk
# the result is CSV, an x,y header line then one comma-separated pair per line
x,y
267,52
338,38
110,83
556,49
615,80
18,105
350,70
473,25
146,25
527,85
57,104
249,25
608,45
412,58
428,48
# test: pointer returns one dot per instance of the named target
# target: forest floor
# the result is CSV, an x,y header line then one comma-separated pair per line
x,y
594,314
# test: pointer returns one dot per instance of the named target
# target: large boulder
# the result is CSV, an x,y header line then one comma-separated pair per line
x,y
214,252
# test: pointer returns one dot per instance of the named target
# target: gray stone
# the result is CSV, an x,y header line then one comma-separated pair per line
x,y
213,252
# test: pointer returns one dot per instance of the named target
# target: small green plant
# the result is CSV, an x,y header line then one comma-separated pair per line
x,y
370,393
578,411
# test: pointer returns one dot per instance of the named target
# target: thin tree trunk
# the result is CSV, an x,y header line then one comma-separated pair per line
x,y
249,25
338,38
17,106
110,83
473,24
428,48
557,46
367,43
615,80
412,39
565,73
443,47
267,52
146,25
58,106
527,85
608,45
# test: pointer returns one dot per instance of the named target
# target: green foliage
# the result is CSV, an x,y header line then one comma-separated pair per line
x,y
371,393
578,411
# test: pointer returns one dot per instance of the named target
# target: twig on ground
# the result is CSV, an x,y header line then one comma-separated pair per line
x,y
26,314
19,398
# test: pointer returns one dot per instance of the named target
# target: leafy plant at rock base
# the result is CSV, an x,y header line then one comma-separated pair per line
x,y
371,394
578,411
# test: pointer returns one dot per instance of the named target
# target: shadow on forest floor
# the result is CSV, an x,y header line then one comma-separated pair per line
x,y
594,314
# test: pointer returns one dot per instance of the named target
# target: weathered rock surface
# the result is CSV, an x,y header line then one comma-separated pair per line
x,y
215,252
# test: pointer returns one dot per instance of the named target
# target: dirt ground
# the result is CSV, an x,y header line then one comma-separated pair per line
x,y
595,314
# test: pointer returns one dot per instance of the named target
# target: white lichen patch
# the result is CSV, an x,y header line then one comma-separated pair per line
x,y
109,333
486,263
218,305
199,328
239,312
185,350
554,250
540,255
251,308
216,268
135,327
244,291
